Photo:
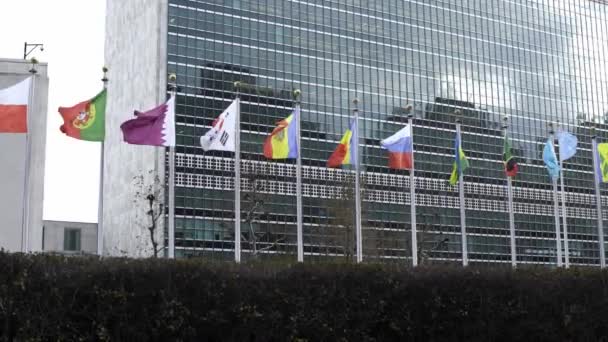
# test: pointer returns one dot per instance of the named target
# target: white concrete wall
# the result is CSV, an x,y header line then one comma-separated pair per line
x,y
12,162
54,236
135,53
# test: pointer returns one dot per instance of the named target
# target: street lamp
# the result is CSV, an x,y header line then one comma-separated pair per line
x,y
29,48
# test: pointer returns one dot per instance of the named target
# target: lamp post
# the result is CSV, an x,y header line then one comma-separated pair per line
x,y
29,48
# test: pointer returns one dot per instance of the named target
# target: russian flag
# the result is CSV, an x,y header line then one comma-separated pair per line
x,y
400,149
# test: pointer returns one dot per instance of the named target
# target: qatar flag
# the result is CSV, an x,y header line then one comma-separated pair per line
x,y
13,107
156,127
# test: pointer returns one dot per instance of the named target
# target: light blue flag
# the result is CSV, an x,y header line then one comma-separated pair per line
x,y
567,145
550,159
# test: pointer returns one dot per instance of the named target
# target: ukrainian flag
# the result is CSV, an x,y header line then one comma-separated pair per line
x,y
460,161
345,153
282,143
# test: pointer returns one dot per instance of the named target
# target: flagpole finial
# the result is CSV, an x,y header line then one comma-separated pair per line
x,y
592,131
34,62
505,121
457,112
104,79
237,85
356,104
172,86
408,109
296,94
550,127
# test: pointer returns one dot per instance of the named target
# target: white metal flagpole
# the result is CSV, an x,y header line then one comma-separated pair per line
x,y
410,122
510,207
25,228
171,219
564,213
299,232
101,164
237,177
463,220
557,230
511,223
355,139
556,212
598,201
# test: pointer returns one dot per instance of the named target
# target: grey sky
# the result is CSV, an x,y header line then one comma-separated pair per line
x,y
72,32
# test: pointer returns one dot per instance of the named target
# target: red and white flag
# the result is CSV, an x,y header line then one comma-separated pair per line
x,y
13,107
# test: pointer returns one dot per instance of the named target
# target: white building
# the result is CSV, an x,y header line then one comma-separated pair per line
x,y
15,235
135,53
69,237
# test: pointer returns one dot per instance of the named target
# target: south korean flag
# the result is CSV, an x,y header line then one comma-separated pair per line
x,y
221,135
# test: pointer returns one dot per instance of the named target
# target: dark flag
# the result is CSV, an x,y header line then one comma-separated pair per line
x,y
511,167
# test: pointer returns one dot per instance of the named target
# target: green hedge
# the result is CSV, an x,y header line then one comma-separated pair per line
x,y
54,298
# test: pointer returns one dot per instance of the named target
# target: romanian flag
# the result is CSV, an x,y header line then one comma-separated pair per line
x,y
346,152
13,107
282,143
511,167
400,149
460,161
602,171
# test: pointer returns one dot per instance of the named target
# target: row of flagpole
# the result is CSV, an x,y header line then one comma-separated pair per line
x,y
567,150
459,167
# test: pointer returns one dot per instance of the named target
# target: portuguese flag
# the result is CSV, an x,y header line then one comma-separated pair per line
x,y
86,120
511,167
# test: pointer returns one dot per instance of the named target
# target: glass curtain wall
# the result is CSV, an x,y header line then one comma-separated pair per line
x,y
536,62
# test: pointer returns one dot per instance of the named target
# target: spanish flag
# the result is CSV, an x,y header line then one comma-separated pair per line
x,y
282,143
346,152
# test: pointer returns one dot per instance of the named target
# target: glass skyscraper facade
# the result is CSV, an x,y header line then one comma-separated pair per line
x,y
535,62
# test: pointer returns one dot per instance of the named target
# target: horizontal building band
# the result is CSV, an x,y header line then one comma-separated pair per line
x,y
279,169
